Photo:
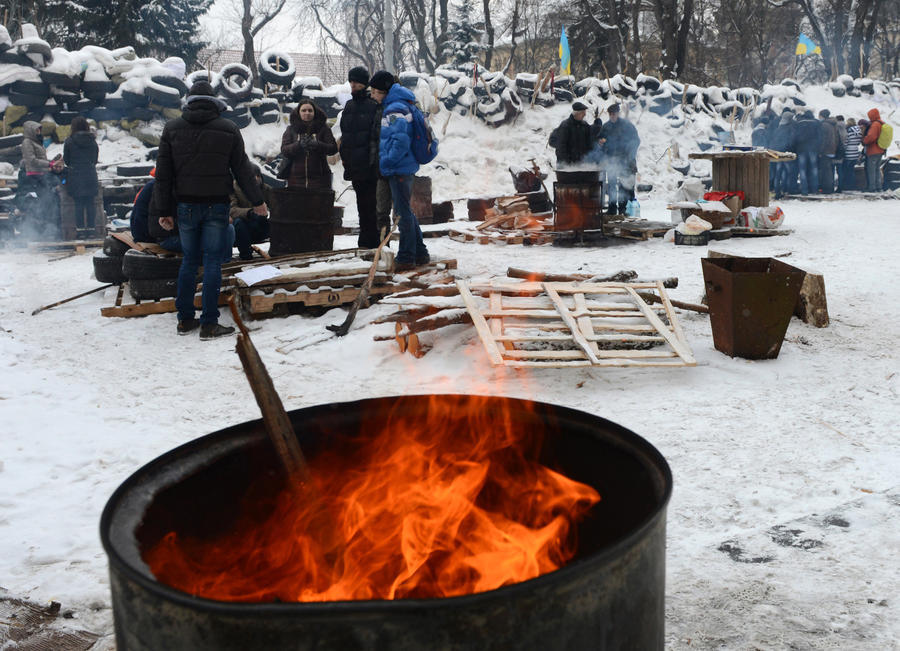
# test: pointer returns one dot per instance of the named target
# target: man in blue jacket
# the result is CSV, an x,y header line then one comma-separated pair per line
x,y
399,166
807,144
620,142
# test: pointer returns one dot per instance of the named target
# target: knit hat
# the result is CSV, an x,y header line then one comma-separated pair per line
x,y
579,106
359,75
382,80
824,114
613,109
202,88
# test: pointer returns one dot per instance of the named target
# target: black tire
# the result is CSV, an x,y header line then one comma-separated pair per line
x,y
137,265
13,57
61,80
171,82
30,87
149,289
105,114
40,48
204,75
24,99
83,105
64,117
114,248
135,100
563,95
236,90
143,113
267,118
107,268
134,169
163,95
240,121
276,68
281,96
11,141
65,98
117,103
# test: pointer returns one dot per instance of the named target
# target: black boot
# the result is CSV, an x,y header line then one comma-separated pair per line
x,y
213,330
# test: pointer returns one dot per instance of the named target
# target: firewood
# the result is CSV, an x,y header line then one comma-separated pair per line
x,y
458,317
402,340
442,290
693,307
412,314
623,276
812,307
72,298
417,348
493,221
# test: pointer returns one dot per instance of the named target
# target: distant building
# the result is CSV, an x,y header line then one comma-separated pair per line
x,y
330,68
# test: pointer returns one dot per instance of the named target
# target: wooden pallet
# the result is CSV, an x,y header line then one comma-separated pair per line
x,y
502,237
125,306
576,324
636,229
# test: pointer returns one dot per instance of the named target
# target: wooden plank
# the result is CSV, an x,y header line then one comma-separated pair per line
x,y
481,325
579,354
681,348
584,321
497,324
570,321
674,323
162,306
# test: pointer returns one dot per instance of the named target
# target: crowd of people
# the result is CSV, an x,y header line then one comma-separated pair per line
x,y
828,149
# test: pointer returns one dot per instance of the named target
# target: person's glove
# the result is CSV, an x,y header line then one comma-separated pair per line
x,y
305,140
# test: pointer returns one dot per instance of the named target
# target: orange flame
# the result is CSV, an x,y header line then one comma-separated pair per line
x,y
451,504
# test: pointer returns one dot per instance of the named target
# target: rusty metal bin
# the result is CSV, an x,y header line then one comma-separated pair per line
x,y
751,301
301,220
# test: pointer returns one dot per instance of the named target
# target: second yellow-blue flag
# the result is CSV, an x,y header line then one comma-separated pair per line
x,y
565,57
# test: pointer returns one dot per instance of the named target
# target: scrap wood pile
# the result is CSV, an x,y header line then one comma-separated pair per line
x,y
551,320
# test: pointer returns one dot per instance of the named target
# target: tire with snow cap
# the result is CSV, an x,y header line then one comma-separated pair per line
x,y
24,99
276,68
162,95
30,87
212,78
114,247
108,268
11,141
237,81
61,79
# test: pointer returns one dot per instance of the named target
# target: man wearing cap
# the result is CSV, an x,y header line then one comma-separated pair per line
x,y
828,153
200,155
620,143
380,84
572,138
359,153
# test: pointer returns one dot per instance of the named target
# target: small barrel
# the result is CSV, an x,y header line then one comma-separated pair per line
x,y
301,220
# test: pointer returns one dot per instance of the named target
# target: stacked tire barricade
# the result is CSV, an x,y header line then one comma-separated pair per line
x,y
149,277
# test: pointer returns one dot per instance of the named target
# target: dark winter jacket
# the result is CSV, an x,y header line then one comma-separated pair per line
x,y
80,156
622,140
241,208
572,141
394,151
870,140
760,136
308,145
807,136
783,136
359,144
34,156
140,214
831,138
200,156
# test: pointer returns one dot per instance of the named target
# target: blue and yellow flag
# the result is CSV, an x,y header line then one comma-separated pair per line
x,y
565,57
806,46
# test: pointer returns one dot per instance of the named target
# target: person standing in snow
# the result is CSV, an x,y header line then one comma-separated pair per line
x,y
308,142
80,153
200,155
807,145
831,144
399,166
620,142
783,140
379,85
874,153
359,154
572,138
38,175
760,135
851,156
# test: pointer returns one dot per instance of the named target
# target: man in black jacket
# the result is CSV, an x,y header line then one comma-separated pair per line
x,y
572,138
198,154
359,153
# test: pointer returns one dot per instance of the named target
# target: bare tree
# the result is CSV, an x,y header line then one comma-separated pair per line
x,y
256,15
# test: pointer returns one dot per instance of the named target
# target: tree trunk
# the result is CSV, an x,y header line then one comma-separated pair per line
x,y
248,58
683,30
870,37
489,30
854,64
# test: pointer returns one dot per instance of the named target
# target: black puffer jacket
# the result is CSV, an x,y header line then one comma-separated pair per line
x,y
200,156
308,145
357,128
80,156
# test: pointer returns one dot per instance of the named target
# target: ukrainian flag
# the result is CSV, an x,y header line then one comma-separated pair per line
x,y
565,57
806,46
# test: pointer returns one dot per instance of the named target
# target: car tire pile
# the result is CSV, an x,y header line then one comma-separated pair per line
x,y
149,277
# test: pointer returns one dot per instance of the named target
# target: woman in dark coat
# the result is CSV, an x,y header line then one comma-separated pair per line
x,y
307,142
80,153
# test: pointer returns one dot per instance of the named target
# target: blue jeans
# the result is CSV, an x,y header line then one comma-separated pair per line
x,y
847,175
173,243
203,229
873,172
250,231
412,246
782,172
809,171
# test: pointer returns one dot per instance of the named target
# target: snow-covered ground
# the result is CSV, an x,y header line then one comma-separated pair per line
x,y
783,526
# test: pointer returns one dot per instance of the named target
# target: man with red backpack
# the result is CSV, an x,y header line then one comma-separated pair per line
x,y
876,141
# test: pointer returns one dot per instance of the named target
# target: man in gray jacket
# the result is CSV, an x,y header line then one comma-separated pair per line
x,y
832,143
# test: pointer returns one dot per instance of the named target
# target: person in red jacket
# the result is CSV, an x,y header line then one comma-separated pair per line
x,y
874,153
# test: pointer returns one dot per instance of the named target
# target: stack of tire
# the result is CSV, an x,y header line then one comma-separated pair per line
x,y
150,277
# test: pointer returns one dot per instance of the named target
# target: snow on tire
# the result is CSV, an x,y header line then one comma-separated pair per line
x,y
108,268
137,265
114,247
208,76
237,81
276,67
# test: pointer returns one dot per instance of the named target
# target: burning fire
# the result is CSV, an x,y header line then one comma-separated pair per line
x,y
446,504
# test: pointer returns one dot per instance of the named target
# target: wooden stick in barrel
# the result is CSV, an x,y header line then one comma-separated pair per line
x,y
344,328
278,424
